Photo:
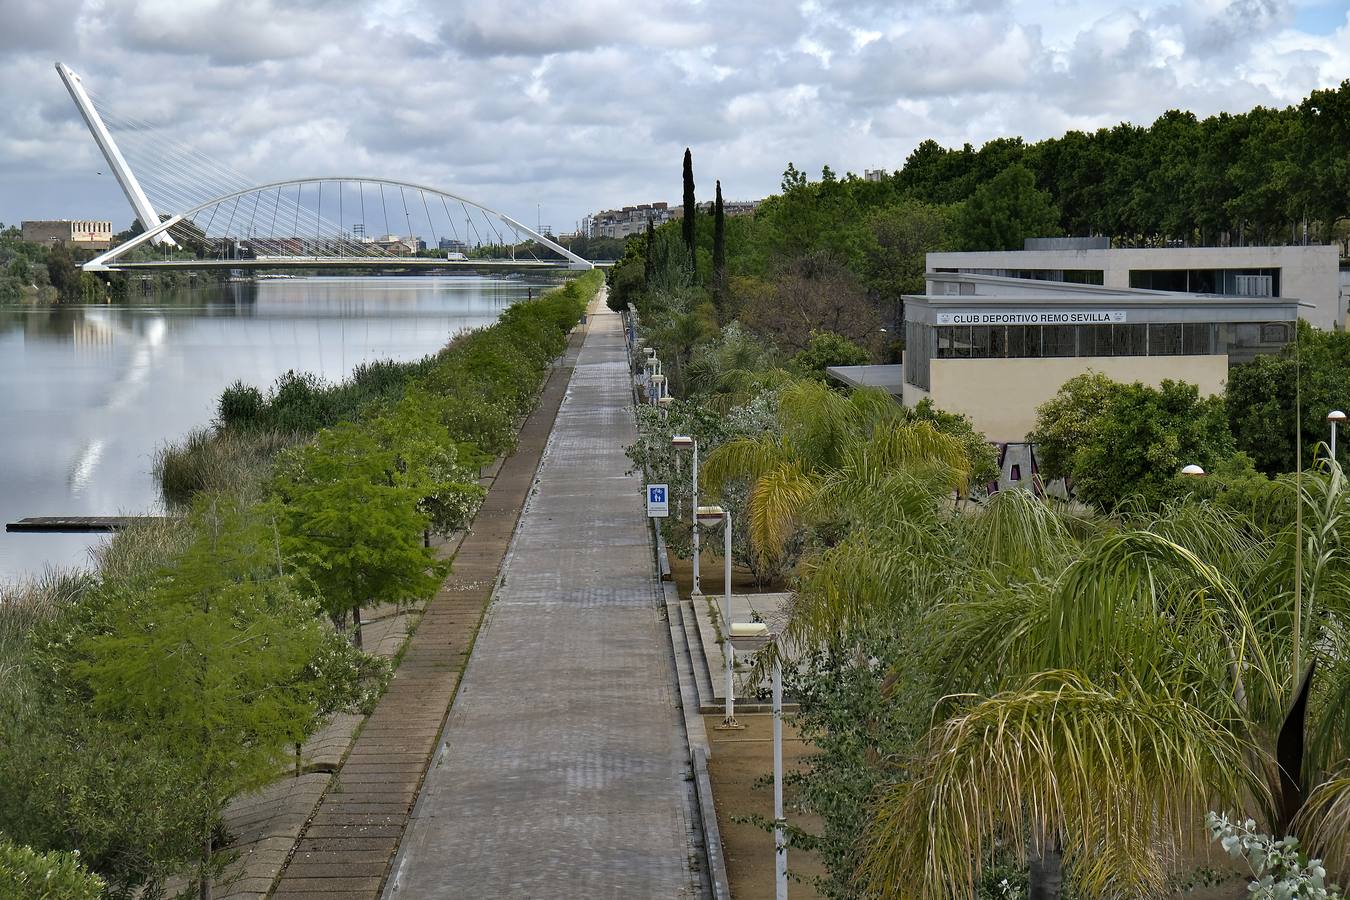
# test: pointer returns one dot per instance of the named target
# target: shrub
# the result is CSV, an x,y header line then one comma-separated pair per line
x,y
240,406
53,876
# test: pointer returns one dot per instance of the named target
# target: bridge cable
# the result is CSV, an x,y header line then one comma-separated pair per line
x,y
468,220
384,204
449,218
412,237
430,224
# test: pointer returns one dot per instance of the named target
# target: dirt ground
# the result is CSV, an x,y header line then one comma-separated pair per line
x,y
740,759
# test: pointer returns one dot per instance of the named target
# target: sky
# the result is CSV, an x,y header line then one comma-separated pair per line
x,y
548,111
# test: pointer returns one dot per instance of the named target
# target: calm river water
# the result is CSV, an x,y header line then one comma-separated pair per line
x,y
88,393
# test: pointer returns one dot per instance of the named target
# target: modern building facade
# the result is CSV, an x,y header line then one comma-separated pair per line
x,y
1310,274
86,234
995,348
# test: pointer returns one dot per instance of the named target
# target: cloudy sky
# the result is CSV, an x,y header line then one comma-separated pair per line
x,y
556,109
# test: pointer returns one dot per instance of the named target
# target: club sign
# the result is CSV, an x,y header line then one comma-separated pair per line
x,y
1034,317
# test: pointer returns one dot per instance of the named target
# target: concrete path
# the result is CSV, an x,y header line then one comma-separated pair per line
x,y
562,770
349,842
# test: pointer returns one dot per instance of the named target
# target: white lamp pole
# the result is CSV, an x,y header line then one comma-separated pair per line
x,y
680,442
752,635
711,515
1335,417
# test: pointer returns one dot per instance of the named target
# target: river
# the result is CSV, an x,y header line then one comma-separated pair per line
x,y
90,392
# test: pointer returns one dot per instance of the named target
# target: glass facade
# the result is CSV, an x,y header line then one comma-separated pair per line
x,y
925,342
1228,282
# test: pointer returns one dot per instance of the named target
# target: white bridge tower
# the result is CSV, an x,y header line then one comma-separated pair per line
x,y
125,177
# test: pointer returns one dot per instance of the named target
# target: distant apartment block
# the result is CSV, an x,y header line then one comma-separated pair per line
x,y
453,245
1308,274
620,223
87,234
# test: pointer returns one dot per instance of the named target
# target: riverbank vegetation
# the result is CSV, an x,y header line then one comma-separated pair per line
x,y
1010,695
141,697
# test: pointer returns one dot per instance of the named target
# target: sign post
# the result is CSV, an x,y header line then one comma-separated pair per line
x,y
658,501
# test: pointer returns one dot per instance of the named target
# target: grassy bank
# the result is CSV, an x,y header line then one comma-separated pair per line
x,y
140,698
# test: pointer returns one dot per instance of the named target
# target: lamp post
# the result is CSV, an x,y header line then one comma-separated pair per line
x,y
751,636
659,382
712,516
1335,417
689,442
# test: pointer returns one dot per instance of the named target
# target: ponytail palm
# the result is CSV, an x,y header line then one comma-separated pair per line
x,y
1117,774
1171,646
830,460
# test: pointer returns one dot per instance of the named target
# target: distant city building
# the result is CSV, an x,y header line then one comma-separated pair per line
x,y
620,223
732,208
87,234
874,174
453,245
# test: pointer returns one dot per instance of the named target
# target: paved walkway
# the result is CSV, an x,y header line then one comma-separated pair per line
x,y
346,847
562,768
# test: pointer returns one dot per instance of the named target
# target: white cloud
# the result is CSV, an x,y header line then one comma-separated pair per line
x,y
580,106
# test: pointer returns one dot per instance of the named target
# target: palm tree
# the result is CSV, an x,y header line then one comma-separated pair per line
x,y
1102,694
831,458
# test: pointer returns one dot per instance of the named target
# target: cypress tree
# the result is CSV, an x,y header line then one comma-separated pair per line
x,y
649,258
719,254
690,208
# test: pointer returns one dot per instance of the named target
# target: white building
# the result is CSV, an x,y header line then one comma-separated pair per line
x,y
1310,274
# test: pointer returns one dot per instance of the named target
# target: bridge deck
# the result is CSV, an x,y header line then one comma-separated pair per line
x,y
350,262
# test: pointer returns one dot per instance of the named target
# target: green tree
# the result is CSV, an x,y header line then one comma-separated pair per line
x,y
352,533
825,349
212,668
903,235
1261,395
1142,437
719,252
1006,210
688,226
1064,422
62,272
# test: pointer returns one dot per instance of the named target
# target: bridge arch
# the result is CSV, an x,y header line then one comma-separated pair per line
x,y
337,237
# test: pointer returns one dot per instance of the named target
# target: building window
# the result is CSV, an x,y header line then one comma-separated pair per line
x,y
1016,473
1253,285
918,343
1059,340
1164,340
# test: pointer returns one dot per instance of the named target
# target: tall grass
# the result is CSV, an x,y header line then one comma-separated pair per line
x,y
225,460
26,604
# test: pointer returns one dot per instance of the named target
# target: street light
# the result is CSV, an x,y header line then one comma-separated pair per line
x,y
659,382
751,636
689,442
1193,470
1335,417
711,516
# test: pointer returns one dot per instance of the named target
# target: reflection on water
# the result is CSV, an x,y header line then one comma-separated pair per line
x,y
89,392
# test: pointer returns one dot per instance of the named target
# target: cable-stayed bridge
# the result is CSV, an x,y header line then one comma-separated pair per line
x,y
198,212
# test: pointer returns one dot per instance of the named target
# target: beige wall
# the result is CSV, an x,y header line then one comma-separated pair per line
x,y
1001,395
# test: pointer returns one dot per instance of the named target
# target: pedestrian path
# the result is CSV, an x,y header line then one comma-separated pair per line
x,y
563,767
